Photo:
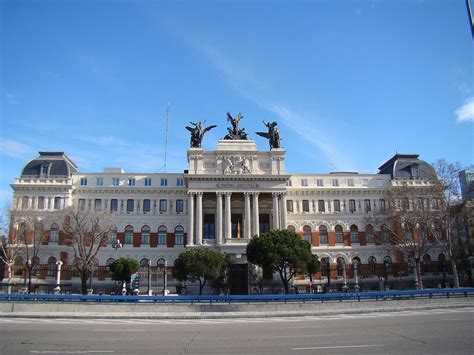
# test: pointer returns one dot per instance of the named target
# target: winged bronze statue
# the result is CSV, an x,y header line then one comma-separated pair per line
x,y
273,134
235,132
198,132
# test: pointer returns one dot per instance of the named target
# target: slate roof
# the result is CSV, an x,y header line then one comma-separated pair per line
x,y
59,165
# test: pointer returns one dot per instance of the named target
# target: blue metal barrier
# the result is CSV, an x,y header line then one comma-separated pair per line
x,y
324,297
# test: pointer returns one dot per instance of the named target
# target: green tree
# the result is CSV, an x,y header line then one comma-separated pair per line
x,y
312,268
282,251
122,269
200,265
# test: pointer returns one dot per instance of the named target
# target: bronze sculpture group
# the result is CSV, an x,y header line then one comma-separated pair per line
x,y
234,132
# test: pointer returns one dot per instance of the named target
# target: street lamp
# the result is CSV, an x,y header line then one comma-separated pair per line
x,y
57,289
162,263
150,291
385,274
355,264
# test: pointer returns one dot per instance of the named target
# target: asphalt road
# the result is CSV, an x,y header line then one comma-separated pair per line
x,y
447,331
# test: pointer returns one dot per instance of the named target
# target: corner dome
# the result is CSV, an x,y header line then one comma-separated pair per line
x,y
50,164
407,166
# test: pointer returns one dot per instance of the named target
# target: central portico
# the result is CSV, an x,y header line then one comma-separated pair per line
x,y
234,193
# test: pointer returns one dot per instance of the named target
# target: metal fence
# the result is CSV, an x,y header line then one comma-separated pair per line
x,y
245,299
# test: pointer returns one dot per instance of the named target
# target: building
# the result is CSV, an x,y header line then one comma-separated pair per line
x,y
224,198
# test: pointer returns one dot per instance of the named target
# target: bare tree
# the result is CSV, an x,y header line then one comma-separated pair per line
x,y
408,223
86,234
8,251
447,185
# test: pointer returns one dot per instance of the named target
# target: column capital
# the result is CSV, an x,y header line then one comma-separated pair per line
x,y
228,193
199,193
219,193
255,193
275,194
191,193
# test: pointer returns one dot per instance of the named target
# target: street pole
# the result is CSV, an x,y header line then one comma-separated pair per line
x,y
57,289
150,292
356,276
165,279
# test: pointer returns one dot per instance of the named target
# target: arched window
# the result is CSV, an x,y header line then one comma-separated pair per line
x,y
128,235
325,266
179,235
323,235
339,234
372,266
109,261
307,233
426,264
144,264
52,266
19,266
162,235
408,232
145,237
341,263
354,232
54,233
369,233
35,263
291,229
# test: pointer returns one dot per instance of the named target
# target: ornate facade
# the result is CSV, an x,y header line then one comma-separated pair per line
x,y
224,198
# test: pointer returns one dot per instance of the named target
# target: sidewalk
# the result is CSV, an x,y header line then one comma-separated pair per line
x,y
186,311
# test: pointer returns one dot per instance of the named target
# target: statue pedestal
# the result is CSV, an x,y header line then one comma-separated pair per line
x,y
226,145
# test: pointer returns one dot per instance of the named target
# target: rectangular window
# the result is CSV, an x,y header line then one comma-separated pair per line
x,y
131,182
179,182
289,205
352,205
365,182
145,239
339,238
44,170
335,182
128,238
179,206
305,206
97,204
367,207
115,181
146,205
113,205
178,239
304,182
323,239
354,237
41,203
164,182
83,181
57,203
307,237
163,205
81,204
382,204
321,207
147,181
99,181
130,205
289,183
319,182
435,204
162,239
337,206
350,182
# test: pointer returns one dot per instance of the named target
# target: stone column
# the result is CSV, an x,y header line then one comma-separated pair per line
x,y
247,224
199,218
283,210
219,219
228,220
276,220
256,217
191,218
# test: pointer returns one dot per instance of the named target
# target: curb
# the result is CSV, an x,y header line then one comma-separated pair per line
x,y
227,315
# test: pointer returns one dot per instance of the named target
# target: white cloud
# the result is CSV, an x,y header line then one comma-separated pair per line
x,y
15,149
466,112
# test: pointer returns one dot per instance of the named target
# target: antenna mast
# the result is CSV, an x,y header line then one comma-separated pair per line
x,y
166,133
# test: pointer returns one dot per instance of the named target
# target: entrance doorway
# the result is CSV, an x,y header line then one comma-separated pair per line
x,y
238,279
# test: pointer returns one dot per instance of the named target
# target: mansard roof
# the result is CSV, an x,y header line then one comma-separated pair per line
x,y
57,163
407,166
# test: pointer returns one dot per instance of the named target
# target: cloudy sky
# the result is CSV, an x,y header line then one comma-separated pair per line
x,y
350,83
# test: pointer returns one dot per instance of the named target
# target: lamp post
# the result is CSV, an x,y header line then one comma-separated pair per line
x,y
355,264
344,276
415,273
57,289
150,291
162,263
385,274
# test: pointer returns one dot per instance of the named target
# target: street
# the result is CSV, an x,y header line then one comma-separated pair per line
x,y
416,332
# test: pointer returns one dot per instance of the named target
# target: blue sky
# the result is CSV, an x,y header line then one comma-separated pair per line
x,y
349,82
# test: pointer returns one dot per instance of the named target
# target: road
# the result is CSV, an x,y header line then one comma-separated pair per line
x,y
411,332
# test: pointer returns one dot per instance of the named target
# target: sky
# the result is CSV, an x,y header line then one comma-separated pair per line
x,y
350,83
